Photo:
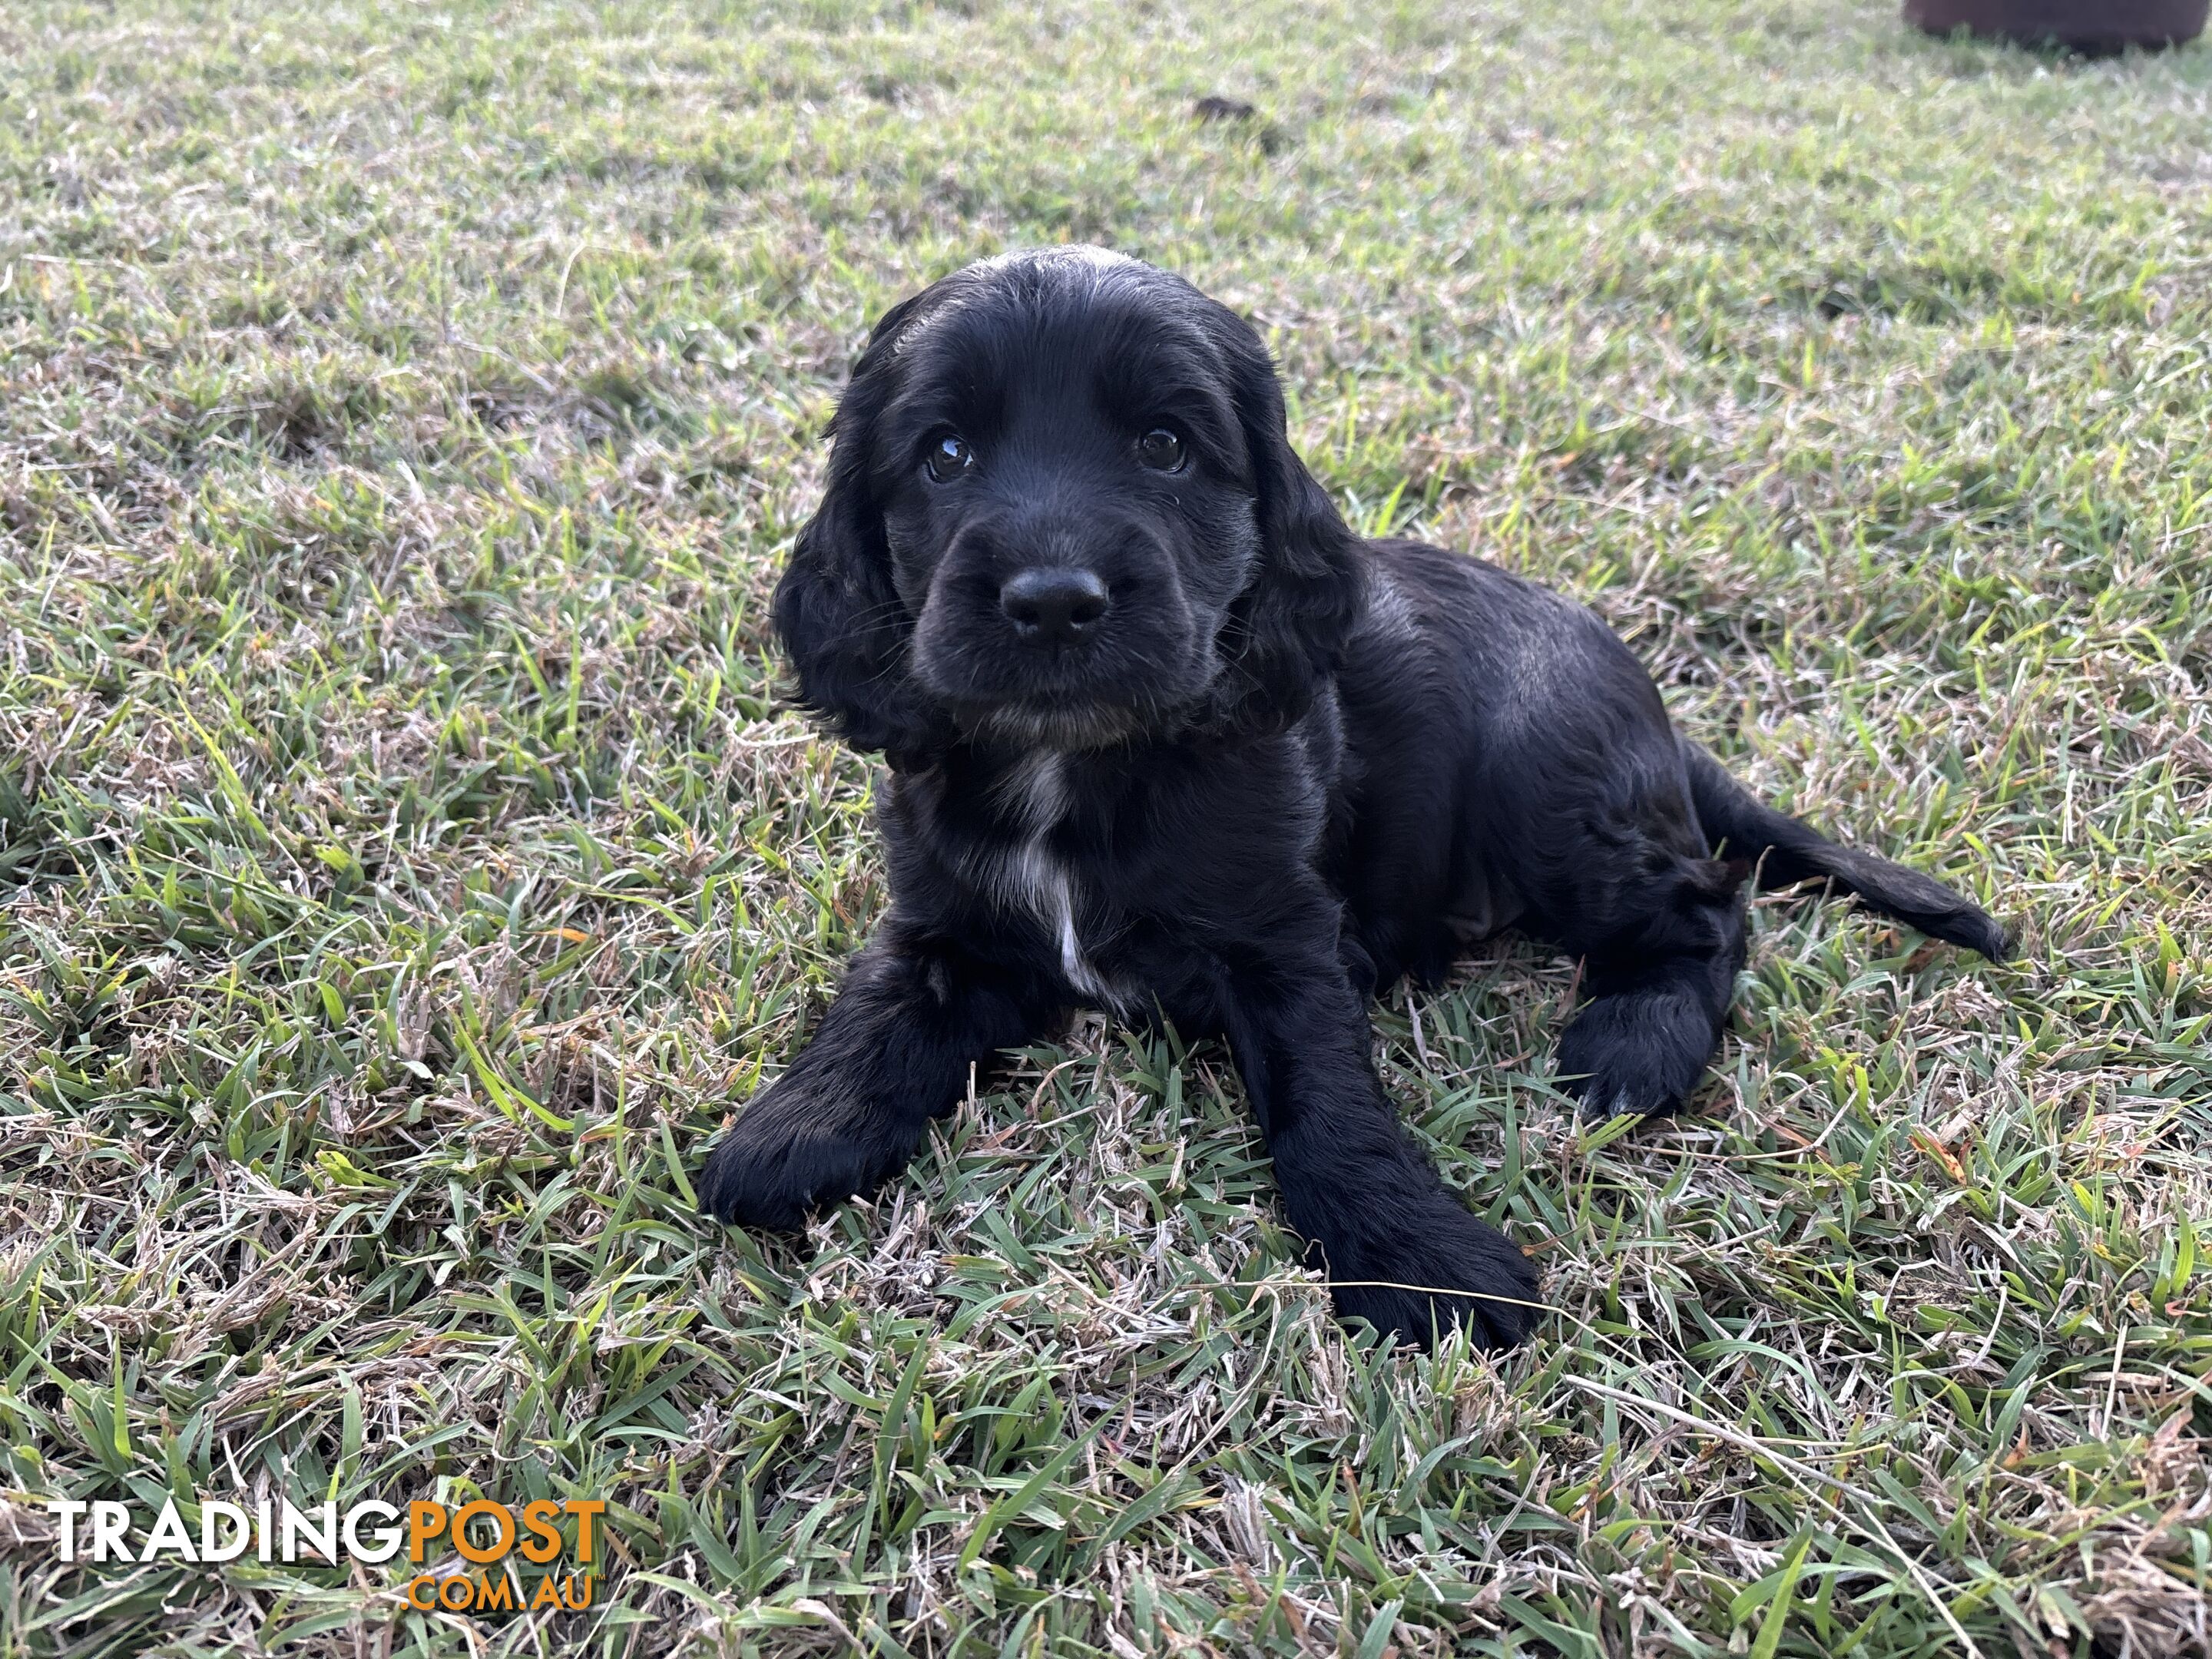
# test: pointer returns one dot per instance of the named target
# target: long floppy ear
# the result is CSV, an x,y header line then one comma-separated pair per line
x,y
846,631
1286,632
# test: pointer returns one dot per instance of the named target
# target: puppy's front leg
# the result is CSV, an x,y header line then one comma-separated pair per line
x,y
1399,1248
892,1053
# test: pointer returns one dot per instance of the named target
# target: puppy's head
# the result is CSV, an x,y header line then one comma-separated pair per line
x,y
1063,510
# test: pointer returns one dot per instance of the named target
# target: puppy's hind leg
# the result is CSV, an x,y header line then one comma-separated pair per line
x,y
1658,997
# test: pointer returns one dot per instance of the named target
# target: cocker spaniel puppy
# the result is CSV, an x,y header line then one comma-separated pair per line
x,y
1167,739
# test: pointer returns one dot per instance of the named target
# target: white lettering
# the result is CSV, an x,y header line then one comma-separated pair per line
x,y
241,1530
324,1537
388,1538
110,1520
67,1510
168,1535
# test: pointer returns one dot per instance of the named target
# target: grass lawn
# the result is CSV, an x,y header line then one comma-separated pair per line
x,y
407,864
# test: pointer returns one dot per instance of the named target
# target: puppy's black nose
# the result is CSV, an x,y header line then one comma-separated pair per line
x,y
1058,606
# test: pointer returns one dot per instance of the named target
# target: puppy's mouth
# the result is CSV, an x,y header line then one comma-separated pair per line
x,y
1080,703
1129,680
1055,724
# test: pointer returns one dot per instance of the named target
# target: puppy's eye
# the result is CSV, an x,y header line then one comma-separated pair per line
x,y
948,457
1160,450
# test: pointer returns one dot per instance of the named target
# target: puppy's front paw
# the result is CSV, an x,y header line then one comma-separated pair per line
x,y
784,1160
1415,1273
1602,1096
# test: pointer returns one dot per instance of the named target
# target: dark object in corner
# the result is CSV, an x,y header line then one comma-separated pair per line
x,y
1218,108
2093,27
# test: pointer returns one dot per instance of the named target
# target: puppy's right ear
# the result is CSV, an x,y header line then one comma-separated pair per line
x,y
846,629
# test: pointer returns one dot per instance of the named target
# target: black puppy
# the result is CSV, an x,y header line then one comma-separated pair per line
x,y
1165,737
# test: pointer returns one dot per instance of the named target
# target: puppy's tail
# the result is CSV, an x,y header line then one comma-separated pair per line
x,y
1788,851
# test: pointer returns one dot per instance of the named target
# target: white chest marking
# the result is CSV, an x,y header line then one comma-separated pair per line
x,y
1031,878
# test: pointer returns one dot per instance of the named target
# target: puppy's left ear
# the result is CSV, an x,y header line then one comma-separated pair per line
x,y
840,618
1286,632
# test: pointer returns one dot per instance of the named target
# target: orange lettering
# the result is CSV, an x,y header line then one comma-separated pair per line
x,y
495,1595
425,1521
503,1523
586,1509
537,1515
